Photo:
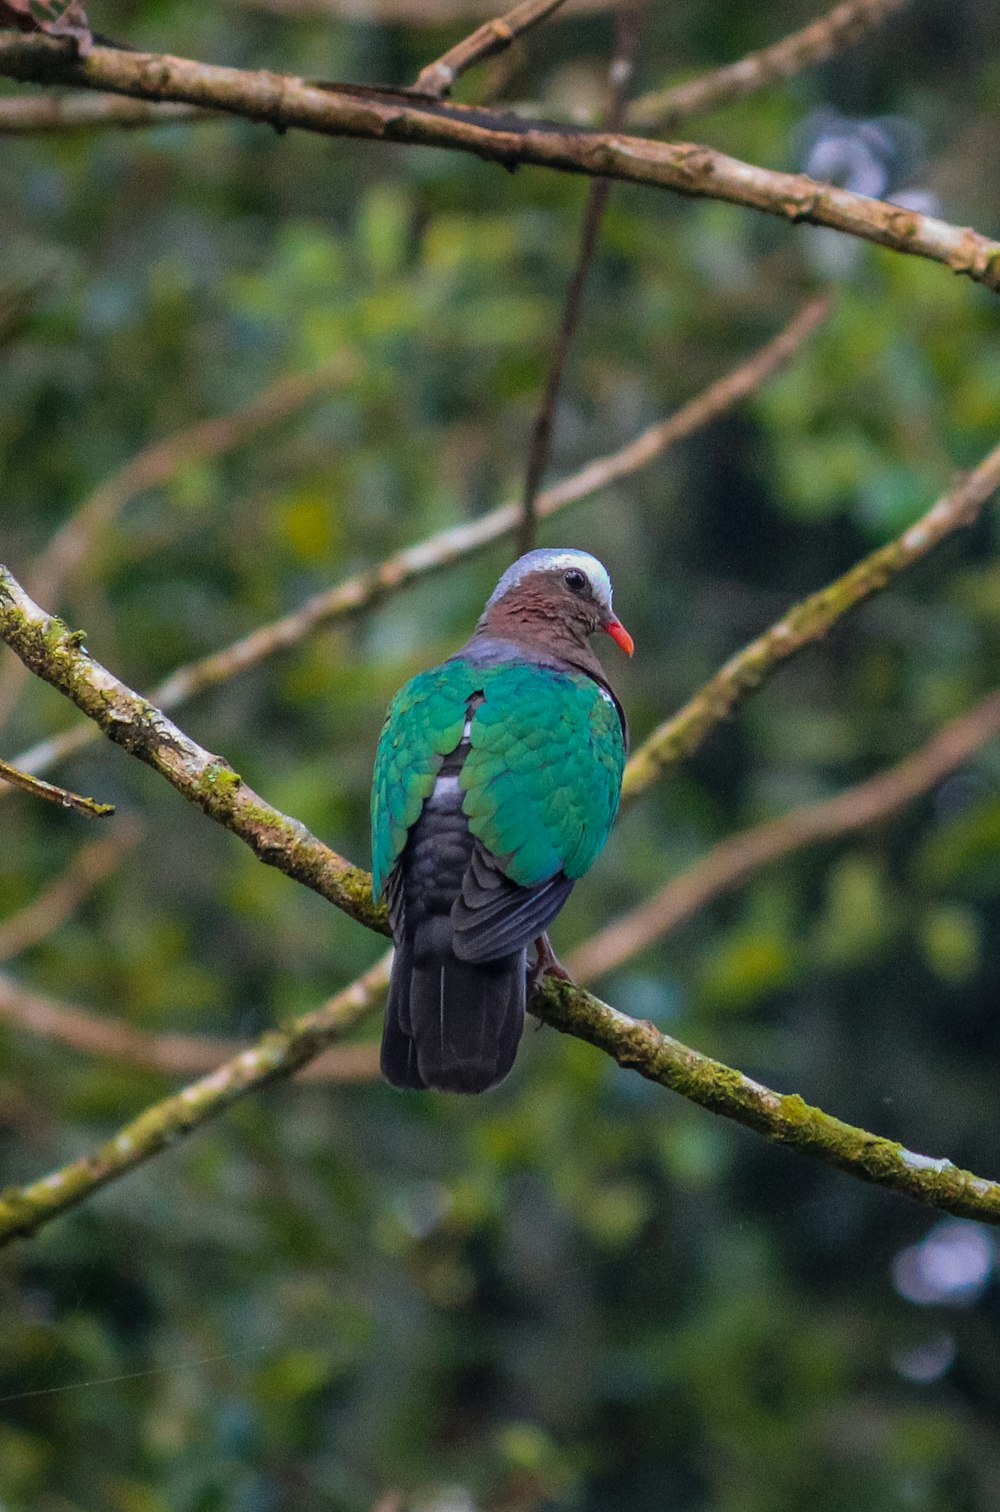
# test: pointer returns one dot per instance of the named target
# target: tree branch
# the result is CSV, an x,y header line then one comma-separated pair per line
x,y
55,654
277,1054
52,794
344,110
733,860
840,28
438,78
806,622
460,542
660,110
636,1046
620,79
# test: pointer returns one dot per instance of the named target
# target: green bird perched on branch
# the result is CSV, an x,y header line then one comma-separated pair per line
x,y
497,779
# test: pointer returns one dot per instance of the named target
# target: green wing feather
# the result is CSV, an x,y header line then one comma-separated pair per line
x,y
542,778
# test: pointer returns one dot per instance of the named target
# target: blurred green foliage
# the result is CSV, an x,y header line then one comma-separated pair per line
x,y
578,1292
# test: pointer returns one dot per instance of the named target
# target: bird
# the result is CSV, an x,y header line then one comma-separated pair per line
x,y
496,781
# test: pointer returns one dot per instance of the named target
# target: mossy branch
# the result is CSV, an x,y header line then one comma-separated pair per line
x,y
55,654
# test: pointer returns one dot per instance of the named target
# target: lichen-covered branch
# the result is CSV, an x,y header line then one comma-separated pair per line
x,y
840,28
438,78
55,654
738,857
456,544
286,102
806,622
27,783
639,1046
277,1054
635,1045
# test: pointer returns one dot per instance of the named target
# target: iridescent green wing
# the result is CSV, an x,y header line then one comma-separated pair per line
x,y
544,774
424,723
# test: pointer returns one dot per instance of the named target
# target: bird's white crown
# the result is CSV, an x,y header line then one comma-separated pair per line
x,y
548,559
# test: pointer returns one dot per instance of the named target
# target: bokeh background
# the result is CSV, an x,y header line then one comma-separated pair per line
x,y
578,1292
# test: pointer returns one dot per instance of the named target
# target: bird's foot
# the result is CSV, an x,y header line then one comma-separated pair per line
x,y
546,963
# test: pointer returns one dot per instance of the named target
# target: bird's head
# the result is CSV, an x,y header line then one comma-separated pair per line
x,y
555,596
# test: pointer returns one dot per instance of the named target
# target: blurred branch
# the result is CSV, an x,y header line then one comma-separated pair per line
x,y
379,115
439,77
620,78
458,543
89,866
173,1054
55,654
155,466
806,622
738,857
85,113
429,13
840,28
52,794
276,1055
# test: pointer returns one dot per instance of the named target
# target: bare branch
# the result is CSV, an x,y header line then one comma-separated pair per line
x,y
458,543
55,654
278,1054
69,113
45,913
839,29
425,13
620,79
172,1054
439,77
157,465
806,622
52,794
735,859
342,110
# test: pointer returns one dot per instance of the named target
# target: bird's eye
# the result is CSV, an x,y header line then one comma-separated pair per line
x,y
575,580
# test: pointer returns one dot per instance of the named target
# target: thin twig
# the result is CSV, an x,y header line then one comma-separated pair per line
x,y
170,1054
52,794
458,543
620,79
438,78
278,1054
39,918
840,28
807,622
682,167
55,654
735,859
71,113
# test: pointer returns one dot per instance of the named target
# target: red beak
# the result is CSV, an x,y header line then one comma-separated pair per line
x,y
618,633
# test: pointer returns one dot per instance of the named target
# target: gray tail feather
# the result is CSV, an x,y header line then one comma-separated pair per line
x,y
450,1024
